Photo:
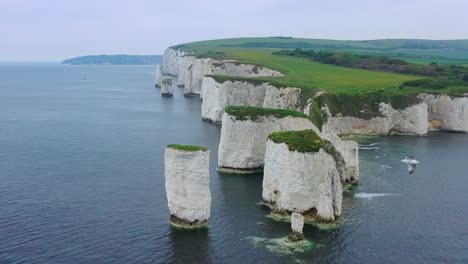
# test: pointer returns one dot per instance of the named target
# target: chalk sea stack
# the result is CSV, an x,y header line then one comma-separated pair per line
x,y
159,76
297,224
166,87
245,131
302,174
188,185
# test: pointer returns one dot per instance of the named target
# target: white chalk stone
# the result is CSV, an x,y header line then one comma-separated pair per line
x,y
450,114
308,183
297,222
243,142
412,120
158,76
190,70
350,152
167,88
216,96
188,186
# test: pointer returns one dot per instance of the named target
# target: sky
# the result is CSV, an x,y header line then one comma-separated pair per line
x,y
53,30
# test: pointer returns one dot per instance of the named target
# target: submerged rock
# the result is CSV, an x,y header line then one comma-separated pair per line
x,y
245,131
187,185
302,174
282,245
167,88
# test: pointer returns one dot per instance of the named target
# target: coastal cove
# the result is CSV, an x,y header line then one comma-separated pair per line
x,y
83,181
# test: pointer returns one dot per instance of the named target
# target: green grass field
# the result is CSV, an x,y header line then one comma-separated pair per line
x,y
425,51
355,92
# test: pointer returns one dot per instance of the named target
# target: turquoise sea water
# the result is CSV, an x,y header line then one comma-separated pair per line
x,y
82,181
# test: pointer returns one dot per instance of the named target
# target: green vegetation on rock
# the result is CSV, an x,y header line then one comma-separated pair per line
x,y
253,113
187,147
301,141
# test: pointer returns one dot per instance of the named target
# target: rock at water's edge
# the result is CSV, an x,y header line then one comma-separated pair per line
x,y
308,183
243,142
187,186
167,89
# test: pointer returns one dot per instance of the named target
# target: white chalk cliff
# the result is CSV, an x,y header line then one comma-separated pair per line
x,y
243,142
439,112
447,113
350,153
307,183
190,70
187,186
412,120
218,95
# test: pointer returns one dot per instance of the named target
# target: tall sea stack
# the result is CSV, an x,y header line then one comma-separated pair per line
x,y
166,87
302,174
188,185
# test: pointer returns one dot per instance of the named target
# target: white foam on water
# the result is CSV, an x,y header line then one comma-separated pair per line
x,y
365,195
369,147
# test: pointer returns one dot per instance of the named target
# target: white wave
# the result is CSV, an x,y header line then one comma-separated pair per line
x,y
369,147
386,167
372,195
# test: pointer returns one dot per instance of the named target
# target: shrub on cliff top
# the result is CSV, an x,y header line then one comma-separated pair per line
x,y
187,147
301,141
252,112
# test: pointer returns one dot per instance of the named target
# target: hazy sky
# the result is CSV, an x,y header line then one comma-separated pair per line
x,y
58,29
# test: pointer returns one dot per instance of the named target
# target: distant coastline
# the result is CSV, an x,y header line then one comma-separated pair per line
x,y
120,59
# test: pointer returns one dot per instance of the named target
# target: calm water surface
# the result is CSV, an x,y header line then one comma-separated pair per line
x,y
82,181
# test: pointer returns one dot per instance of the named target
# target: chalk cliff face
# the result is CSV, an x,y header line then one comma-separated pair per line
x,y
409,121
217,95
447,113
191,70
187,186
243,142
350,152
307,183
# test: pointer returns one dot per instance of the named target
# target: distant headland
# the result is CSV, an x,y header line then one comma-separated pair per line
x,y
119,59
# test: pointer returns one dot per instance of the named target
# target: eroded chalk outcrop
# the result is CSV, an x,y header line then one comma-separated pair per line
x,y
447,113
302,175
412,120
297,224
245,131
159,76
218,94
349,150
187,185
190,69
167,88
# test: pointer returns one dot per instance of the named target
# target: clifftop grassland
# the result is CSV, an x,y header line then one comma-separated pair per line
x,y
354,90
313,76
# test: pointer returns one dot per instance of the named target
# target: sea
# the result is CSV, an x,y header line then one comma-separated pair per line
x,y
82,181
